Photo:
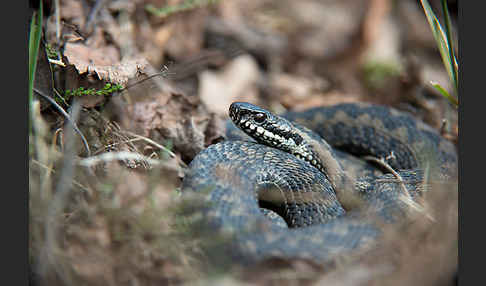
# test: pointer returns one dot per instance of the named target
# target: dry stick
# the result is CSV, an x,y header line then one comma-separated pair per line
x,y
60,97
66,115
142,80
408,198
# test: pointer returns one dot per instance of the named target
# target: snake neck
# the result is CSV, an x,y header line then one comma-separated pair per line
x,y
342,183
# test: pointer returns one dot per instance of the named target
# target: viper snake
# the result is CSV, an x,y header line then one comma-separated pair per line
x,y
295,185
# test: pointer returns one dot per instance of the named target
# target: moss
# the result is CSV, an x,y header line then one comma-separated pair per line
x,y
81,91
52,53
376,74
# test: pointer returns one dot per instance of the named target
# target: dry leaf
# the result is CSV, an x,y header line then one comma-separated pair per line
x,y
88,59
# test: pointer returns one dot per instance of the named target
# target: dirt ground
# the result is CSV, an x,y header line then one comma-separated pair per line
x,y
104,206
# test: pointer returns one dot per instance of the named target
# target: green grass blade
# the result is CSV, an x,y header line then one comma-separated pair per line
x,y
446,94
34,43
449,40
441,40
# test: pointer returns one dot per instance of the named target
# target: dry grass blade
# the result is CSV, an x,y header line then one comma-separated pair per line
x,y
111,156
405,197
161,147
57,204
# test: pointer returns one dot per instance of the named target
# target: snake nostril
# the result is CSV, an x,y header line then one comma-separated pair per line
x,y
234,111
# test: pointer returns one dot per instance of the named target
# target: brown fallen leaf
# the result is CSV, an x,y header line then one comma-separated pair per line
x,y
88,59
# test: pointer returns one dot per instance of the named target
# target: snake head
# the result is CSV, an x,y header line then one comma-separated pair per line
x,y
261,124
275,131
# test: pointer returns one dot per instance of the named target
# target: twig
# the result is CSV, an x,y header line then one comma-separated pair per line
x,y
66,115
163,74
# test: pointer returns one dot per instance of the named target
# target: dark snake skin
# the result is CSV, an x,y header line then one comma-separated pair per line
x,y
324,219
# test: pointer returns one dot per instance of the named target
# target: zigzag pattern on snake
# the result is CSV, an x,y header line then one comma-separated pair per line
x,y
327,201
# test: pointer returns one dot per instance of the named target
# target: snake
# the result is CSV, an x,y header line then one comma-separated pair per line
x,y
284,186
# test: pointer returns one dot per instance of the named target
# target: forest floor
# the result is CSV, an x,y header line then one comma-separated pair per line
x,y
104,206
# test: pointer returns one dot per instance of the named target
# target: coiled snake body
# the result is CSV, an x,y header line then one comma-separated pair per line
x,y
295,173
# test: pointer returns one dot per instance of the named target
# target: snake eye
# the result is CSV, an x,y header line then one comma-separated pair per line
x,y
260,117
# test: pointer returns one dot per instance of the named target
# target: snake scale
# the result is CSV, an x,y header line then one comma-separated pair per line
x,y
287,189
